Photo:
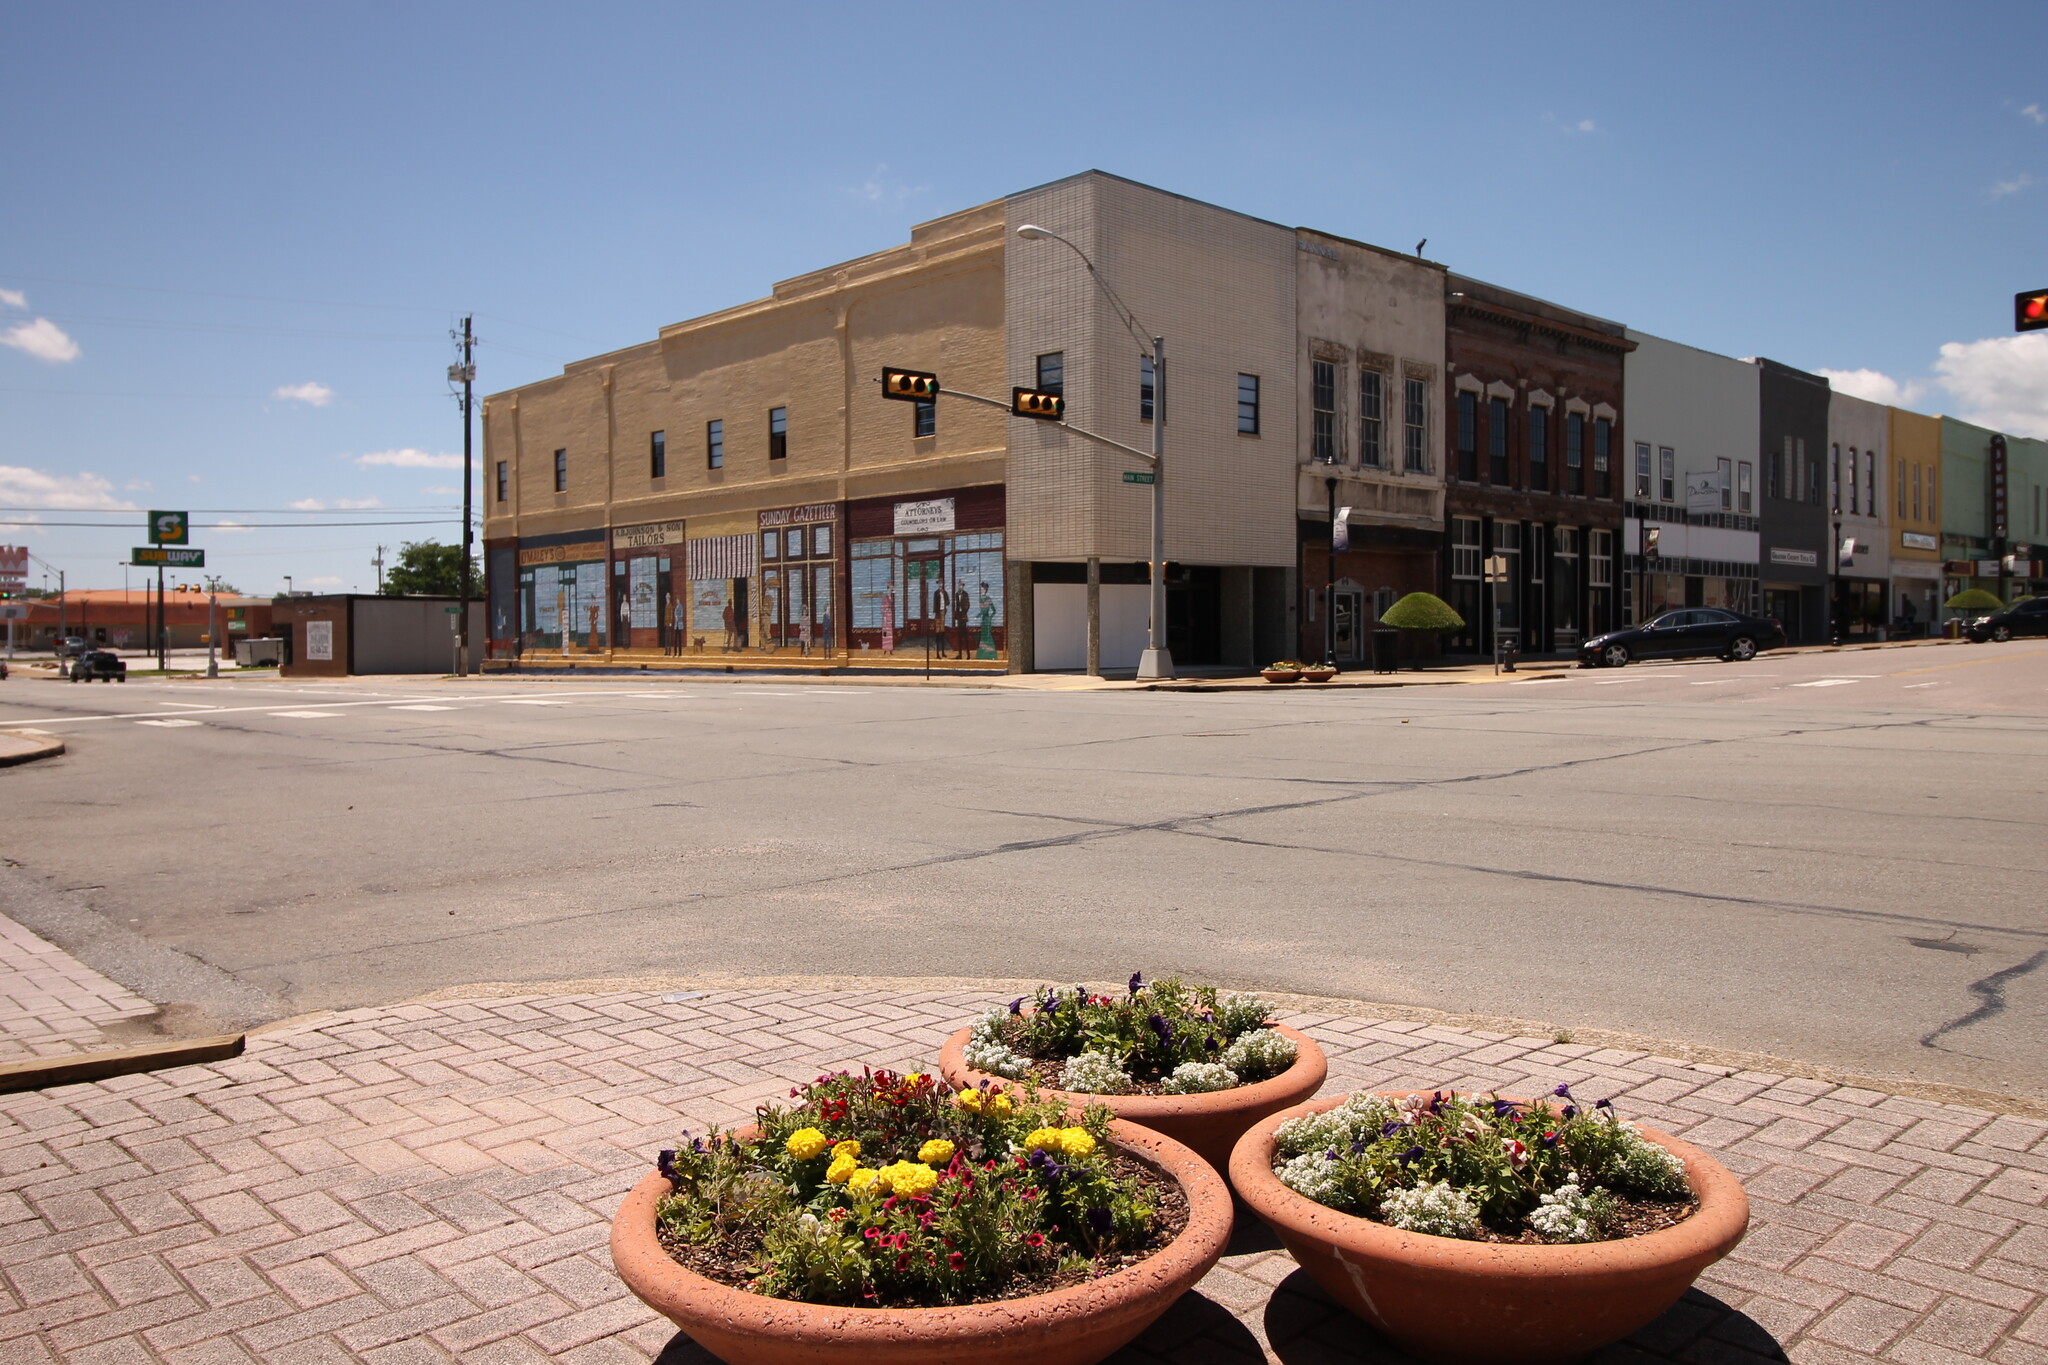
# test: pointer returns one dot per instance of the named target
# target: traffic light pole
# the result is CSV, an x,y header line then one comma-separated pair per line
x,y
468,386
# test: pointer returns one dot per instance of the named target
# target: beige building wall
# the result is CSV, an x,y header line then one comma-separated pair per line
x,y
813,347
1361,306
1219,286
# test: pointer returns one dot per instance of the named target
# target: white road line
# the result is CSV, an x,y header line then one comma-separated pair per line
x,y
169,723
1910,686
422,706
269,706
307,715
536,701
1835,682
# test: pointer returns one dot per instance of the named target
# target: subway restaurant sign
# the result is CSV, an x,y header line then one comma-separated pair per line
x,y
168,557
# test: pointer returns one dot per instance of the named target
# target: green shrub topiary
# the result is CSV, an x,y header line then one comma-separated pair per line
x,y
1422,611
1971,599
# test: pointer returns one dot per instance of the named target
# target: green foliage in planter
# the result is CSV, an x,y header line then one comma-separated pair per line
x,y
1422,611
1974,599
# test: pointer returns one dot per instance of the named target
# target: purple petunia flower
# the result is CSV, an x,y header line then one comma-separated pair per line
x,y
1388,1130
1502,1108
1100,1221
1137,982
1571,1111
666,1163
1548,1139
1603,1104
1409,1157
1563,1092
1017,1005
1162,1028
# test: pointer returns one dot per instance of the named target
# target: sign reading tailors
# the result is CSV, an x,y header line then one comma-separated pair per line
x,y
157,556
923,518
170,528
648,537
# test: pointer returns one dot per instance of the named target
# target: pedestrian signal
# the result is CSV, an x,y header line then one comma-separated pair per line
x,y
1047,407
2030,311
910,386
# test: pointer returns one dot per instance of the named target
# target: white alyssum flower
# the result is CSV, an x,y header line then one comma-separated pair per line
x,y
1236,1014
1360,1117
1652,1170
1190,1078
1566,1214
1260,1053
1439,1209
986,1050
1312,1175
1094,1073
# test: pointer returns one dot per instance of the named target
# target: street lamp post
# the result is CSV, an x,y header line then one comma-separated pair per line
x,y
1834,576
1157,662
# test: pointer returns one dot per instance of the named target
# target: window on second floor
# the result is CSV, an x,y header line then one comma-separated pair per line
x,y
1643,470
1539,449
926,418
1575,453
1371,412
1869,482
1248,404
1725,468
657,454
1145,373
1603,449
1745,501
778,433
1323,400
504,479
1052,373
1667,474
714,443
561,471
1468,436
1835,476
1497,441
1415,425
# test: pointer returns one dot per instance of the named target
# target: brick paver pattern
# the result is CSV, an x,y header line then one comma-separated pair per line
x,y
52,1004
433,1182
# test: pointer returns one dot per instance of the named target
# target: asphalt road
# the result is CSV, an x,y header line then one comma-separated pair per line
x,y
1830,857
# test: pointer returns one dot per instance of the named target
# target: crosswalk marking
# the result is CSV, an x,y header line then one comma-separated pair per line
x,y
422,706
167,724
536,701
1829,682
307,715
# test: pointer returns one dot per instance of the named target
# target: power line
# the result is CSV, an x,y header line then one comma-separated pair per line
x,y
230,525
236,511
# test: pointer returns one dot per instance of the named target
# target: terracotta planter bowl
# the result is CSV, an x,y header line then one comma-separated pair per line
x,y
1318,675
1280,675
1210,1123
1455,1302
1073,1326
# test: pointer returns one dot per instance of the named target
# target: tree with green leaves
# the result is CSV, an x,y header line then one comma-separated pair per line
x,y
427,568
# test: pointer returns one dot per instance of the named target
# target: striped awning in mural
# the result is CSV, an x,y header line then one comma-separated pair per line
x,y
722,557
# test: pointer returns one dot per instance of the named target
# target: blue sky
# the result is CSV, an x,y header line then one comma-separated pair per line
x,y
211,207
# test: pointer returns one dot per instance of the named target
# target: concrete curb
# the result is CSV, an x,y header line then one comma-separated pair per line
x,y
45,1072
16,747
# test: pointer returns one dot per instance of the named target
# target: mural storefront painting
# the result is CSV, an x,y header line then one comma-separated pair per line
x,y
798,562
721,571
562,598
643,587
927,572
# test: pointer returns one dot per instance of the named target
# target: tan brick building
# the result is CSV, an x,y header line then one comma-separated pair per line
x,y
737,490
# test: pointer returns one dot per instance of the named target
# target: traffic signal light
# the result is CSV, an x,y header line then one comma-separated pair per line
x,y
910,386
2030,311
1047,407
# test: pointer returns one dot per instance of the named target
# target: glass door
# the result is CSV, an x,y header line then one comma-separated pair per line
x,y
1347,611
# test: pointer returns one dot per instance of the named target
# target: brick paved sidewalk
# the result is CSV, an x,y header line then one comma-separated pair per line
x,y
433,1183
52,1004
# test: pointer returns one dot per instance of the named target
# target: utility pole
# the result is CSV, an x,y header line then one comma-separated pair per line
x,y
379,562
466,372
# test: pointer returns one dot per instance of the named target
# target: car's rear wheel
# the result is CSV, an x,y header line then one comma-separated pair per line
x,y
1614,656
2001,633
1740,650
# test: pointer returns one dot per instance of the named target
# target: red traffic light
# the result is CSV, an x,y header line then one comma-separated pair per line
x,y
910,386
1046,407
2030,311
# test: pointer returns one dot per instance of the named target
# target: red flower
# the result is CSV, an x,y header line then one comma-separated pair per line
x,y
903,1263
1034,1240
955,1261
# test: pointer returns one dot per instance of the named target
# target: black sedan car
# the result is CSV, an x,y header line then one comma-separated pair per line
x,y
1691,633
99,664
2021,618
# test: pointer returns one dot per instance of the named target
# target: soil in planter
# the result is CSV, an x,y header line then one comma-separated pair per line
x,y
734,1261
1633,1218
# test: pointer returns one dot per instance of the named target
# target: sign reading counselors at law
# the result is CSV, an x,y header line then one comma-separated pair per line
x,y
164,556
170,528
923,518
647,537
320,640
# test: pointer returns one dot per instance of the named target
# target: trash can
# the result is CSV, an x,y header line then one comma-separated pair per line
x,y
1386,650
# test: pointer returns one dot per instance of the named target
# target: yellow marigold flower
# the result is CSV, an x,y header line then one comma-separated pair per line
x,y
1044,1140
937,1152
999,1104
845,1147
969,1100
913,1078
1077,1141
841,1168
908,1179
862,1179
806,1143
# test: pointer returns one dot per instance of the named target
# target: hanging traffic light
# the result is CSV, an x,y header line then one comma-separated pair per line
x,y
1046,407
2030,311
910,386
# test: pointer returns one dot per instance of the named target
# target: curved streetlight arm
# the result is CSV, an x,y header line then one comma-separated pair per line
x,y
1031,231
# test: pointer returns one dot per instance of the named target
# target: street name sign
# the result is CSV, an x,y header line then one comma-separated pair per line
x,y
1139,476
164,557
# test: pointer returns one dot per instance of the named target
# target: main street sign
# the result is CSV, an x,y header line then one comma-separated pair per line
x,y
161,557
1139,476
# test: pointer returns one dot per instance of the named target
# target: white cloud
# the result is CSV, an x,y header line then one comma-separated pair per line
x,y
409,458
445,490
193,478
325,582
885,188
310,393
13,298
338,505
35,488
43,339
230,527
1999,382
1876,386
138,486
2001,188
1586,125
2034,112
